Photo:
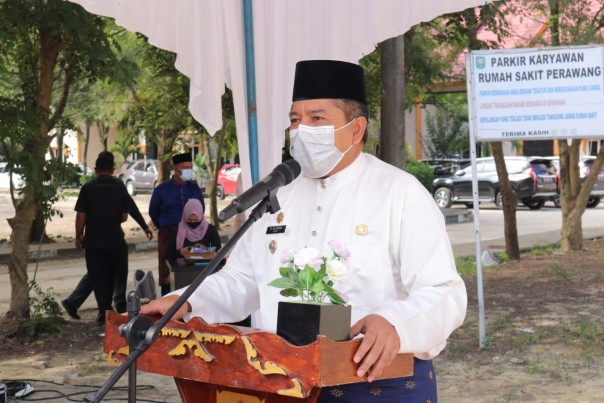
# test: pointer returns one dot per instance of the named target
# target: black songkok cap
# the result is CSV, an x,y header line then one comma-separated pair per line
x,y
329,79
105,161
184,157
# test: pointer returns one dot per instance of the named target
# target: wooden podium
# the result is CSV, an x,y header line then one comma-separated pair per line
x,y
223,363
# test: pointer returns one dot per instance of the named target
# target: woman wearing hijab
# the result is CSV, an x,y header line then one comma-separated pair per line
x,y
193,231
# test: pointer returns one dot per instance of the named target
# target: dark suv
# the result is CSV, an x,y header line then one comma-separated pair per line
x,y
446,166
585,164
534,180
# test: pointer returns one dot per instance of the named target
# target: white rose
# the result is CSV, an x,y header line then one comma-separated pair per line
x,y
307,257
336,270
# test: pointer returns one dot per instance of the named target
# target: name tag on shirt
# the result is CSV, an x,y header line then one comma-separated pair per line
x,y
277,229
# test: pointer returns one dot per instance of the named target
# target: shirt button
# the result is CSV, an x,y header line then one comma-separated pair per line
x,y
318,208
314,233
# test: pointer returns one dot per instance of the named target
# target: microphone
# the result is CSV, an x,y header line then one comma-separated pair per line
x,y
282,175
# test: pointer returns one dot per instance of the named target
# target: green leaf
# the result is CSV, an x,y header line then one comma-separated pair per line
x,y
283,283
290,292
333,295
318,287
287,272
307,277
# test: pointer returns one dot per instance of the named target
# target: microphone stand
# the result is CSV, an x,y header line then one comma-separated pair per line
x,y
141,332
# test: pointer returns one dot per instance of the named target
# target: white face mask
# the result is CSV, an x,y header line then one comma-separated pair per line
x,y
186,174
314,148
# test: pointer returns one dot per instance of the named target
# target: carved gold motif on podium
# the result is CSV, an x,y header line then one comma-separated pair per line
x,y
270,368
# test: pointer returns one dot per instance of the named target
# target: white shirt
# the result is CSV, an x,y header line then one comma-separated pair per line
x,y
402,267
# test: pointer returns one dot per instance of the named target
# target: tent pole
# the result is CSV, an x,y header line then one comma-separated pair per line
x,y
250,73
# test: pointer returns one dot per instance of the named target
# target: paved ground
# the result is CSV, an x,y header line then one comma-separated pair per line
x,y
534,227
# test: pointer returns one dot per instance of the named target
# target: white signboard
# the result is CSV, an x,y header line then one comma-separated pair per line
x,y
543,93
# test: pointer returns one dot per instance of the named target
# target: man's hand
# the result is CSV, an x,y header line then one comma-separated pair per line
x,y
149,233
79,241
161,306
378,348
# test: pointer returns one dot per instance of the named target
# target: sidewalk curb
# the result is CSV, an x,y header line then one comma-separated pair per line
x,y
73,252
456,216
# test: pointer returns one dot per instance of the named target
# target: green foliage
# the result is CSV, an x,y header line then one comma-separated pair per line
x,y
586,333
312,281
448,132
422,171
537,250
424,65
125,145
466,264
307,283
562,273
45,312
43,304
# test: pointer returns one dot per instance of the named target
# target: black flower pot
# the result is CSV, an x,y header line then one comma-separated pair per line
x,y
300,322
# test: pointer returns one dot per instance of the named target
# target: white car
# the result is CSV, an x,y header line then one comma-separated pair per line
x,y
18,181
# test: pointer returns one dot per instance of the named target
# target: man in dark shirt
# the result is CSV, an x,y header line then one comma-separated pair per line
x,y
84,288
166,206
102,205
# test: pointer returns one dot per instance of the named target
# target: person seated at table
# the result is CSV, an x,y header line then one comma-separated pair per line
x,y
193,231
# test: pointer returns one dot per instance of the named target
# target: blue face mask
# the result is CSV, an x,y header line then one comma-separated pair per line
x,y
186,174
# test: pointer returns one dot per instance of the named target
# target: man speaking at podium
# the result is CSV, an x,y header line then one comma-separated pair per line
x,y
402,284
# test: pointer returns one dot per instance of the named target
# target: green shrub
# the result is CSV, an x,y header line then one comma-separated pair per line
x,y
45,312
422,171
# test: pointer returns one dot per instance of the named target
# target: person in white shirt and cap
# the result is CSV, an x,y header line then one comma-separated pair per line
x,y
402,283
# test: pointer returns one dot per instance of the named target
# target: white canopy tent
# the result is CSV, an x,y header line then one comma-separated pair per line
x,y
208,38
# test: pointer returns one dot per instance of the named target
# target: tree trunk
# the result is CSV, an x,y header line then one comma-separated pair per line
x,y
38,230
27,208
571,234
17,264
574,195
60,156
213,201
508,201
86,142
165,145
392,141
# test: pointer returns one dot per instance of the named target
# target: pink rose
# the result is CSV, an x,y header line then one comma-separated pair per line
x,y
287,256
308,257
339,249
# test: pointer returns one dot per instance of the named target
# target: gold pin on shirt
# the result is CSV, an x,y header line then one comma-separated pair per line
x,y
272,246
361,229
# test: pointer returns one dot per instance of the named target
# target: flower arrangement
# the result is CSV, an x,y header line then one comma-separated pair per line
x,y
310,276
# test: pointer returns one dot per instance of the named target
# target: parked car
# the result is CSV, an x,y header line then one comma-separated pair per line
x,y
446,166
597,192
534,180
79,170
5,177
227,180
140,176
585,164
